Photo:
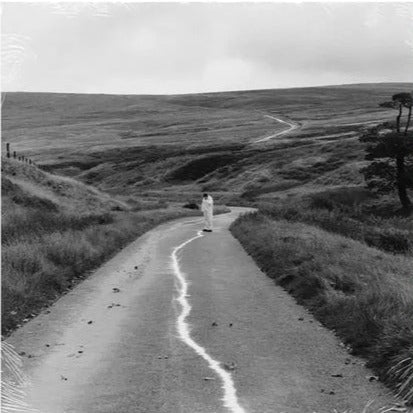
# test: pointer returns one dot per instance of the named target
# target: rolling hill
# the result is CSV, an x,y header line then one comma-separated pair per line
x,y
160,146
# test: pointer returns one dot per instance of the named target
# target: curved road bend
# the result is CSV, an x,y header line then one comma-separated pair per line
x,y
291,127
195,328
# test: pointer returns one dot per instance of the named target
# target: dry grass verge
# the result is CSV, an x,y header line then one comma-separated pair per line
x,y
351,212
365,295
45,253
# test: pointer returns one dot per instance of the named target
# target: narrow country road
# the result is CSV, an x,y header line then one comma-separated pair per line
x,y
181,322
291,127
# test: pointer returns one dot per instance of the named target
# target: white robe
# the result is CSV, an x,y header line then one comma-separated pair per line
x,y
207,208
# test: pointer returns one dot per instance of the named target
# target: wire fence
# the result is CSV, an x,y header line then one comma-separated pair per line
x,y
18,157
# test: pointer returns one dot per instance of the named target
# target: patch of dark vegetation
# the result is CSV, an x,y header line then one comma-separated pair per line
x,y
363,294
78,165
197,168
132,166
191,205
152,134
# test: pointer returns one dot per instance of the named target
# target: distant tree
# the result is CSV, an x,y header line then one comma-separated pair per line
x,y
391,151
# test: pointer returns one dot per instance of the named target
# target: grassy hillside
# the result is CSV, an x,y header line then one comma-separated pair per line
x,y
26,186
160,145
55,230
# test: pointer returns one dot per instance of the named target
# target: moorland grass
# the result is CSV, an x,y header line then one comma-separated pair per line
x,y
204,139
352,212
45,253
364,294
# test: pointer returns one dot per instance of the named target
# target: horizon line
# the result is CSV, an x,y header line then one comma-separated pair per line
x,y
208,92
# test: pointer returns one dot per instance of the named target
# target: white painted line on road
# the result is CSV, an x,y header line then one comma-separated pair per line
x,y
229,399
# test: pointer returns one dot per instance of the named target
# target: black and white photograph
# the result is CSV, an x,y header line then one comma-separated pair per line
x,y
206,207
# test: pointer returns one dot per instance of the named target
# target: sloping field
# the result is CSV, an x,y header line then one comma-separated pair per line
x,y
55,230
23,184
163,145
92,123
174,146
34,120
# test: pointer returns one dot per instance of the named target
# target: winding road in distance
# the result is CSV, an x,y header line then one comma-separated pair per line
x,y
182,322
291,127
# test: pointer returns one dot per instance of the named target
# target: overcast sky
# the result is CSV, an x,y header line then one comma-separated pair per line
x,y
196,47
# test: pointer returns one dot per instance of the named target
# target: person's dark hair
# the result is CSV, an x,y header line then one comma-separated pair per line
x,y
205,195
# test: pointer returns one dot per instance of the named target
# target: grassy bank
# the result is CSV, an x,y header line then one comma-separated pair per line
x,y
353,212
44,254
362,293
56,230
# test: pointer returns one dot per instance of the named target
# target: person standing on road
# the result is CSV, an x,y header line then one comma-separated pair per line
x,y
207,208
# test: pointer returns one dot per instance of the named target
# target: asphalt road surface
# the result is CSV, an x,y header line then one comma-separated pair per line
x,y
185,322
